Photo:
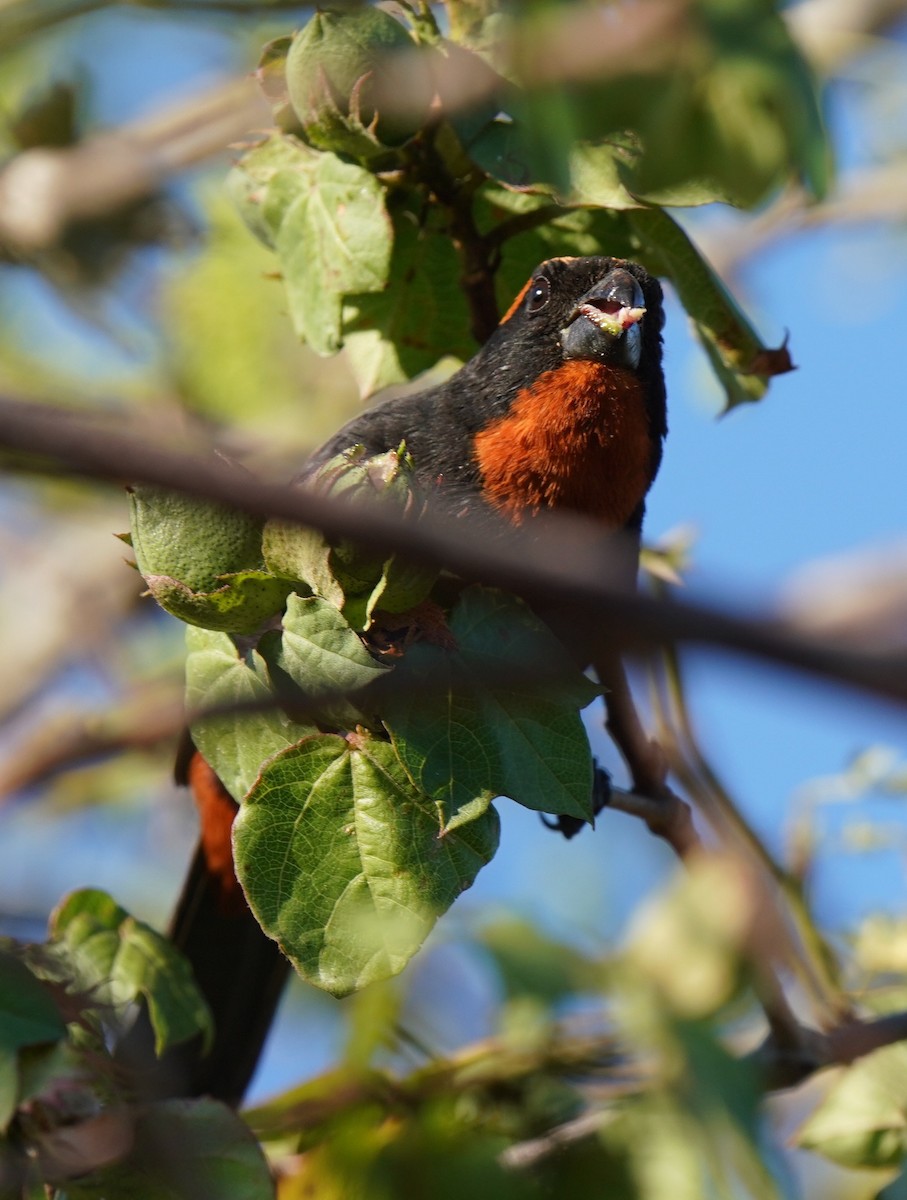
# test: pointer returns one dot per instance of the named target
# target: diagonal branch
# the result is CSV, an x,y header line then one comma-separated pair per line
x,y
564,560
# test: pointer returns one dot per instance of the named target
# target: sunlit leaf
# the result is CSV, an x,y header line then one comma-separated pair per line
x,y
234,744
344,863
334,240
862,1122
123,959
422,315
686,943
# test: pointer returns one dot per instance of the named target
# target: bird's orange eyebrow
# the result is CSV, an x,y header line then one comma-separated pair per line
x,y
566,258
517,302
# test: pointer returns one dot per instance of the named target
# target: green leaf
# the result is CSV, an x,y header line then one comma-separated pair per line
x,y
184,1150
123,958
343,861
303,555
236,744
723,1096
28,1017
334,240
28,1014
596,178
320,653
726,110
401,587
686,943
422,314
264,182
476,738
600,173
739,358
863,1120
762,89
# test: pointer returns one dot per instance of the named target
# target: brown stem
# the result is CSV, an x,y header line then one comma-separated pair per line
x,y
644,759
666,815
783,1066
523,223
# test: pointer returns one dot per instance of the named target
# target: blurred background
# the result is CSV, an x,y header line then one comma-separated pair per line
x,y
171,319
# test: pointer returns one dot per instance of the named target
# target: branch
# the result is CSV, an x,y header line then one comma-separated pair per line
x,y
782,1067
523,1156
476,254
864,196
22,19
44,190
565,560
493,1062
666,815
134,722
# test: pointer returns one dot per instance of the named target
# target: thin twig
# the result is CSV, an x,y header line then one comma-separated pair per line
x,y
492,1062
522,1156
666,815
812,961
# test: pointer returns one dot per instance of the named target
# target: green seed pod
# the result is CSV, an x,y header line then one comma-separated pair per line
x,y
191,541
336,67
203,563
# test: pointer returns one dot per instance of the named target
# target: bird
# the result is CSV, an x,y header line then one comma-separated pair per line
x,y
563,409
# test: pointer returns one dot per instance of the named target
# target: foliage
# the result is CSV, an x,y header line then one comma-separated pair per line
x,y
66,1115
367,715
377,800
359,223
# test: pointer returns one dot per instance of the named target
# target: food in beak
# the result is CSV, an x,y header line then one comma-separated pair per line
x,y
609,316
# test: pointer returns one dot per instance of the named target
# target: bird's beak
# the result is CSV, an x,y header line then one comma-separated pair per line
x,y
605,325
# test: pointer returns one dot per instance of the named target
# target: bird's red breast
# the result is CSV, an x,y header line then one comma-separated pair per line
x,y
217,810
578,438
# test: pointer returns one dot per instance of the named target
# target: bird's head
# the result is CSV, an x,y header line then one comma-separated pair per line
x,y
599,309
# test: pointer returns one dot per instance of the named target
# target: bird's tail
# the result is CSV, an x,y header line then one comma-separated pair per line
x,y
240,972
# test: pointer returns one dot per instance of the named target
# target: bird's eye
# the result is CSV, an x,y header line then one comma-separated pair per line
x,y
539,295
